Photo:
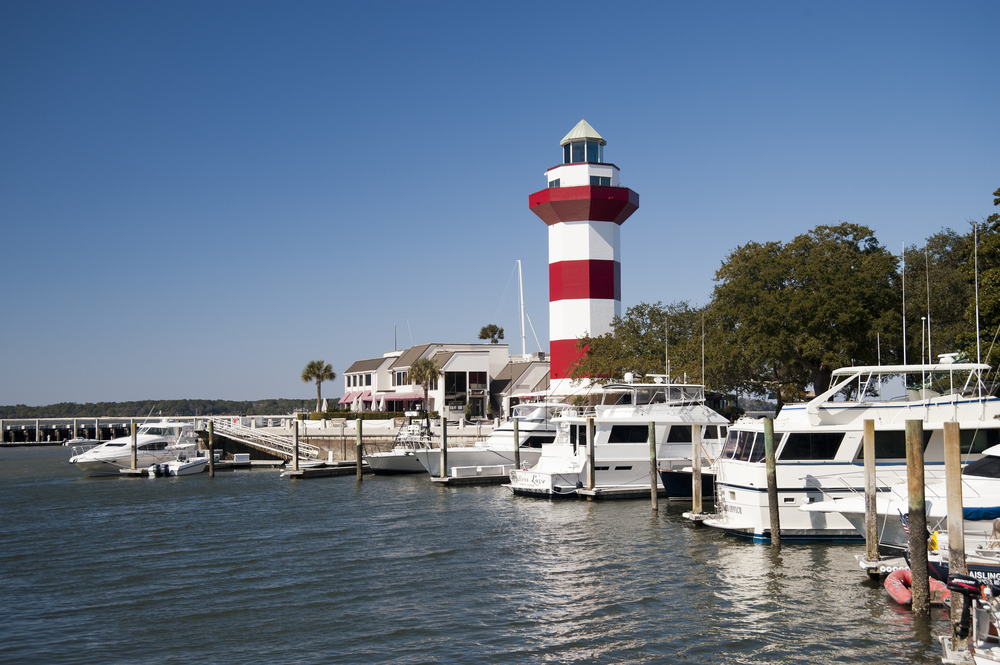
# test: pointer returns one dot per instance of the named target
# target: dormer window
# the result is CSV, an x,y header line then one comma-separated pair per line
x,y
583,152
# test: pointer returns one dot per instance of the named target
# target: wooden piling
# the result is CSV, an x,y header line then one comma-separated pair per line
x,y
772,485
591,462
517,445
358,452
211,449
295,446
135,452
38,432
74,428
956,526
917,518
97,428
696,506
871,522
653,494
444,446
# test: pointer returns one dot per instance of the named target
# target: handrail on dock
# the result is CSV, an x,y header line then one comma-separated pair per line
x,y
271,443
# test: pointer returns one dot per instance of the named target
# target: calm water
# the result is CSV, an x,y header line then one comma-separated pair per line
x,y
251,568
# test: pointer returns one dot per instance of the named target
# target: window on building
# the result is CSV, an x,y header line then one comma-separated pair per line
x,y
454,383
477,380
583,151
554,183
594,151
600,181
368,379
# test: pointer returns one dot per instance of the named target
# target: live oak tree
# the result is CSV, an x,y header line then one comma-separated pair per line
x,y
784,316
318,371
425,372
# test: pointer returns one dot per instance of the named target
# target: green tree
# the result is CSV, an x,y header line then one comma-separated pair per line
x,y
639,342
491,332
785,316
425,372
318,371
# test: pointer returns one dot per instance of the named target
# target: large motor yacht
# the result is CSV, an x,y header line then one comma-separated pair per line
x,y
155,443
819,452
621,439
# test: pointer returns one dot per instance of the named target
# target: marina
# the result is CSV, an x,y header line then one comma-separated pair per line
x,y
398,570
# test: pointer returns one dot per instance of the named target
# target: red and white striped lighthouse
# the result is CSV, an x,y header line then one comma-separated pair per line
x,y
584,207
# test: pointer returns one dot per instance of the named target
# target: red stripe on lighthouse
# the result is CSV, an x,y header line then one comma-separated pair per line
x,y
588,279
584,203
563,354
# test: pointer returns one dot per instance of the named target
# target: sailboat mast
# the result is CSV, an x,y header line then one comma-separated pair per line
x,y
903,254
520,288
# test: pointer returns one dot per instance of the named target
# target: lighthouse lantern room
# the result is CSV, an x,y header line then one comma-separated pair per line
x,y
584,206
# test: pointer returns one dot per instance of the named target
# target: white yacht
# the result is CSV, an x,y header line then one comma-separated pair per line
x,y
621,438
410,439
155,443
980,501
535,427
818,445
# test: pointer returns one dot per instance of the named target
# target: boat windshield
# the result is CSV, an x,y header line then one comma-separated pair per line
x,y
155,430
913,384
653,394
987,467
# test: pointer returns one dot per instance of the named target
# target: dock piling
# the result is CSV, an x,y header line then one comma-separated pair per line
x,y
956,527
591,462
211,449
135,451
295,446
917,518
696,506
772,485
517,445
653,498
358,452
871,523
444,446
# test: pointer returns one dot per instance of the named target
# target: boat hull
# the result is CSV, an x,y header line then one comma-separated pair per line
x,y
394,462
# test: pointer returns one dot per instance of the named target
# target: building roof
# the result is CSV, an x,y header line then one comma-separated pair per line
x,y
583,132
442,357
369,365
410,356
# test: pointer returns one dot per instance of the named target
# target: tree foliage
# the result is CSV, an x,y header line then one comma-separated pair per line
x,y
491,332
425,373
639,343
154,408
989,287
786,315
318,371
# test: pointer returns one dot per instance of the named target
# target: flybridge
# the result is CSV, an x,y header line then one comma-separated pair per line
x,y
905,383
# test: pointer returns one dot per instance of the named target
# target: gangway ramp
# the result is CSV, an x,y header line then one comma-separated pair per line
x,y
282,446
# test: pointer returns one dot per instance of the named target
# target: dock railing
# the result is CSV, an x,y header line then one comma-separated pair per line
x,y
271,443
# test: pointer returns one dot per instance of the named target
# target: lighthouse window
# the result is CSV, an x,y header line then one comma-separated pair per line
x,y
594,152
600,180
554,183
578,152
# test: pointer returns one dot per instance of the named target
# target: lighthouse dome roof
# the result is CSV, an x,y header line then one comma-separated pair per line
x,y
583,132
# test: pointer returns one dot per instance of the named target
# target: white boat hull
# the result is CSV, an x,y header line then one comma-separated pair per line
x,y
394,462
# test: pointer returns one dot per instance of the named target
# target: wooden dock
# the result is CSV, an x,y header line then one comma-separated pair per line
x,y
618,493
468,481
326,470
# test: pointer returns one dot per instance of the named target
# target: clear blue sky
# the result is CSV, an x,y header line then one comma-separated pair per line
x,y
197,198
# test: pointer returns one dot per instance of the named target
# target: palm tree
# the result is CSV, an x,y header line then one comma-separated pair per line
x,y
491,332
318,371
425,372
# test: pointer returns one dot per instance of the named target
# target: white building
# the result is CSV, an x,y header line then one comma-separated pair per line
x,y
468,372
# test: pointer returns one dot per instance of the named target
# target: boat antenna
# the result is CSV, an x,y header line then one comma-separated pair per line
x,y
975,231
903,254
666,350
878,341
927,272
703,349
410,331
520,289
147,416
394,337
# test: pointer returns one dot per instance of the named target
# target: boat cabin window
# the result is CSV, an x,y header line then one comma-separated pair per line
x,y
730,446
710,432
803,446
722,432
114,445
976,441
617,399
892,445
629,434
537,441
738,446
679,434
987,467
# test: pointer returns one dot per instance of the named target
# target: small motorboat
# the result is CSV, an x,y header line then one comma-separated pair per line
x,y
183,464
898,584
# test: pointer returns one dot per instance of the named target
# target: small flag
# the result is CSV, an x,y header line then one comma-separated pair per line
x,y
905,519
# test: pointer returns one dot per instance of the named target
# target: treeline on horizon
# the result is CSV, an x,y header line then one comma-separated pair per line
x,y
158,408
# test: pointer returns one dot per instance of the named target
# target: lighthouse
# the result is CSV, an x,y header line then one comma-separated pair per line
x,y
584,207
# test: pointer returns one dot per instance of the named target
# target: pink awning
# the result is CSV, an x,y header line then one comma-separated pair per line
x,y
348,398
403,397
366,396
